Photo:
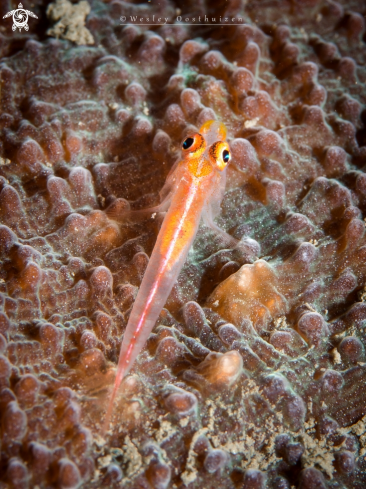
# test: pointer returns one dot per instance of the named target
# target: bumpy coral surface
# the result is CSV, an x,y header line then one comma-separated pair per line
x,y
254,376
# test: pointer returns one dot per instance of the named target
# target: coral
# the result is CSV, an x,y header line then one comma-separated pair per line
x,y
251,292
70,21
254,376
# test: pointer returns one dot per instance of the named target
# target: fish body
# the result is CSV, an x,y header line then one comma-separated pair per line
x,y
195,185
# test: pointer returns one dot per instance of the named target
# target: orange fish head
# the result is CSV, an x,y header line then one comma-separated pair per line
x,y
213,131
207,150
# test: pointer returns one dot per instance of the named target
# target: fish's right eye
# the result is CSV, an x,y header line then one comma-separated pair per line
x,y
188,143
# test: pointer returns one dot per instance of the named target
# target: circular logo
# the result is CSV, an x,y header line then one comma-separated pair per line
x,y
20,19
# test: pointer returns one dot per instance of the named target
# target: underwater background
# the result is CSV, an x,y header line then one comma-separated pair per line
x,y
254,376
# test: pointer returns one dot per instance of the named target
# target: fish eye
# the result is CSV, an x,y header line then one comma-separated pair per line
x,y
193,146
220,154
226,156
188,143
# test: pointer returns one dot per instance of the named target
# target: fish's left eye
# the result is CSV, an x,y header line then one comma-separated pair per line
x,y
188,143
226,156
193,146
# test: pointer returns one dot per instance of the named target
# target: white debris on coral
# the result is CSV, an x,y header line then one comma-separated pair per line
x,y
70,21
4,161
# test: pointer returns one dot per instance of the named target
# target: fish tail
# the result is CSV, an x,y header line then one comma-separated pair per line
x,y
121,371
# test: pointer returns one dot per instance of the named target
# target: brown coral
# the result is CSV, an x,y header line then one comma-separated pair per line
x,y
254,375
